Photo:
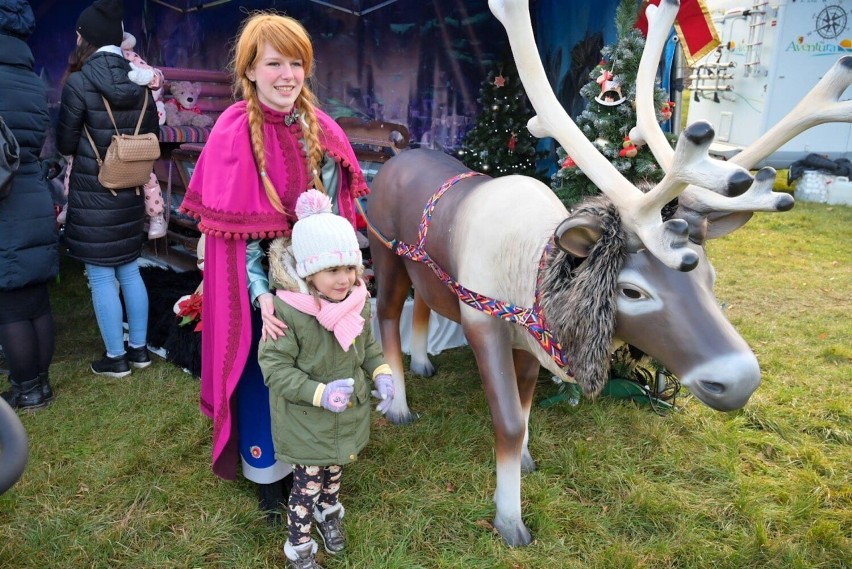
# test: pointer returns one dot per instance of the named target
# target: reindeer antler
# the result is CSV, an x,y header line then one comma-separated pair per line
x,y
822,103
640,212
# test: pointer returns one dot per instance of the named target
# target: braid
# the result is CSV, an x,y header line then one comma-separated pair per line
x,y
310,130
255,116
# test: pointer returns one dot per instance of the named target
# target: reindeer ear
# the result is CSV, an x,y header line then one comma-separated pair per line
x,y
578,234
721,223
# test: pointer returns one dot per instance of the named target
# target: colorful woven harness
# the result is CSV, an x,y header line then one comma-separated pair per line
x,y
531,319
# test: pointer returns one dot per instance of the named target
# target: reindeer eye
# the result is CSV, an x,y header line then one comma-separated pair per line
x,y
632,292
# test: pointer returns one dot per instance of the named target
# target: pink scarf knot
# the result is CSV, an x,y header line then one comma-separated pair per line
x,y
342,318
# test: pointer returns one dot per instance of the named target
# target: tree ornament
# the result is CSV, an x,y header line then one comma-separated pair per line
x,y
569,163
667,109
500,81
513,142
610,94
629,149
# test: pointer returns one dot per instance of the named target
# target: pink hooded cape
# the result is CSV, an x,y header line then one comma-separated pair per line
x,y
227,196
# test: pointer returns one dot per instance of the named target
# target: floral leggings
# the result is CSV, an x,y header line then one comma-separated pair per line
x,y
313,486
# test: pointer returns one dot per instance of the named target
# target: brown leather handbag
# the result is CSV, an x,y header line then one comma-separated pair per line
x,y
129,159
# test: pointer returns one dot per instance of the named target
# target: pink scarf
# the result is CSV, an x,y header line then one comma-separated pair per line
x,y
342,318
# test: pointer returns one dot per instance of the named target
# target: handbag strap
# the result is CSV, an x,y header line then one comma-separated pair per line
x,y
115,126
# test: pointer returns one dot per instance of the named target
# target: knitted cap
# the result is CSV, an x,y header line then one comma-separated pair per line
x,y
321,239
100,24
16,18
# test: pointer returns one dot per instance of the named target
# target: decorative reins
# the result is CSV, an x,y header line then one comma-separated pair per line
x,y
532,319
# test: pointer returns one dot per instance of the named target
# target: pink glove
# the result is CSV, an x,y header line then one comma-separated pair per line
x,y
335,398
385,391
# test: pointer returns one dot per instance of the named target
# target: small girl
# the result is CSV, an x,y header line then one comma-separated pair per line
x,y
318,371
143,74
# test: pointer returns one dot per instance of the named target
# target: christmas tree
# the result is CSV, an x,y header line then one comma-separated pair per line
x,y
609,114
500,144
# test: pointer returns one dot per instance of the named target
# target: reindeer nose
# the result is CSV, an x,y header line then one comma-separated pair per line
x,y
724,383
738,183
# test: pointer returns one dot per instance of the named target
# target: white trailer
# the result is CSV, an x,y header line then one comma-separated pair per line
x,y
772,54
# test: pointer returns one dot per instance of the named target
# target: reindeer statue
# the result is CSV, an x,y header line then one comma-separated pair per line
x,y
535,285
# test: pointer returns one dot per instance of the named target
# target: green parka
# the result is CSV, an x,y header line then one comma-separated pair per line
x,y
293,365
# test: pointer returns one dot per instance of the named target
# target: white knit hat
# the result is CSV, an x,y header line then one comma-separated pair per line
x,y
321,239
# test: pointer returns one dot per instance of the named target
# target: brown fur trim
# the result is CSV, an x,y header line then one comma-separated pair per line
x,y
579,298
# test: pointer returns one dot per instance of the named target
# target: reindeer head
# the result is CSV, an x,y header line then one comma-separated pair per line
x,y
715,198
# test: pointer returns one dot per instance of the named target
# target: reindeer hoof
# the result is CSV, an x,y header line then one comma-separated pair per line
x,y
514,534
423,369
528,464
401,418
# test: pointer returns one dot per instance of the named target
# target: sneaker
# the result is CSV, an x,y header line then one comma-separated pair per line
x,y
157,227
330,528
301,556
138,357
112,367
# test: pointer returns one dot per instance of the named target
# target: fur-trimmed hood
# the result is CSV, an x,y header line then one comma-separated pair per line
x,y
282,267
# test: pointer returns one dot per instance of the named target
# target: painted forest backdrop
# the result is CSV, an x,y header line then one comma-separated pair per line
x,y
415,62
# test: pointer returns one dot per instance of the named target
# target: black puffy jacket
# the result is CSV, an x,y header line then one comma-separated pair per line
x,y
28,236
102,229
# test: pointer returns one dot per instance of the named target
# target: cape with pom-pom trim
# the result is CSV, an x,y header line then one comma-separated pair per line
x,y
227,196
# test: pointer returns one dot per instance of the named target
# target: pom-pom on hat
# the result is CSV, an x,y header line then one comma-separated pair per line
x,y
322,240
100,24
16,18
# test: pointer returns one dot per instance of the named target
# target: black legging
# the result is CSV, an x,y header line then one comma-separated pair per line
x,y
28,346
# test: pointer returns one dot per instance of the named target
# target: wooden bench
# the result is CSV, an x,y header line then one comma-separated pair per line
x,y
216,96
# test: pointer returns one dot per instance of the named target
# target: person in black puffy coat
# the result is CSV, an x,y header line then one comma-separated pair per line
x,y
103,230
29,257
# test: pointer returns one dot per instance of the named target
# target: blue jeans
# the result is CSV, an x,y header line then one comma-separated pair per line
x,y
108,305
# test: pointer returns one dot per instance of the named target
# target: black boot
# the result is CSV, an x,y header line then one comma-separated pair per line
x,y
46,390
25,395
270,498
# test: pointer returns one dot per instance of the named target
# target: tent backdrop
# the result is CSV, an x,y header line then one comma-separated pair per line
x,y
415,62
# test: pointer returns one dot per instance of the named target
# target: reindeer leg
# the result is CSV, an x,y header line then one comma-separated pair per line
x,y
420,363
489,340
393,286
526,370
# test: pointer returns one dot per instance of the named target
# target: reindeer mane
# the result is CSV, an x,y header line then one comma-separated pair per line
x,y
578,297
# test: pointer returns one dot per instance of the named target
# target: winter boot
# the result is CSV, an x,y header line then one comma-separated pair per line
x,y
330,528
272,500
156,227
301,556
46,390
25,395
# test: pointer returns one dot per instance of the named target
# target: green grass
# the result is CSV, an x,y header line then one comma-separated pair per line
x,y
119,469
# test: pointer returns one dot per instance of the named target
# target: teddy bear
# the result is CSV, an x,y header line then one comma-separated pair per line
x,y
143,74
183,108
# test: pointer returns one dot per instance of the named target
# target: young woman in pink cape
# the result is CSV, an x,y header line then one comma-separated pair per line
x,y
262,153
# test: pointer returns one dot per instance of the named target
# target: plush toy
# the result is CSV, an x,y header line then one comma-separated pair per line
x,y
140,72
183,109
143,74
161,106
